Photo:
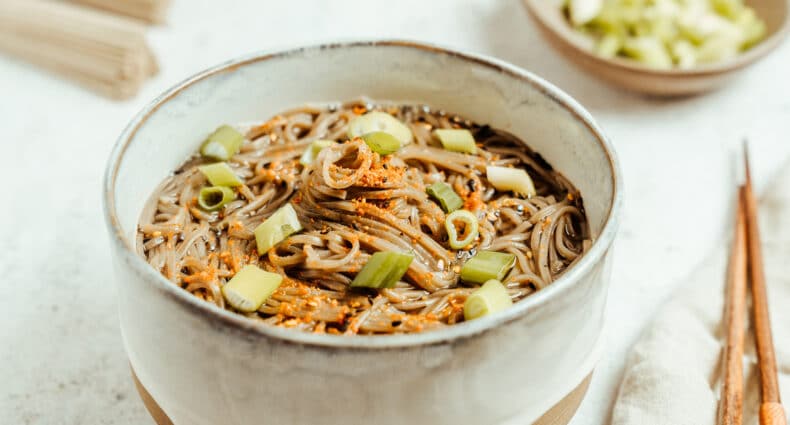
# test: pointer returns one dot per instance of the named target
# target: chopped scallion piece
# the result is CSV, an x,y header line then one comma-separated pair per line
x,y
728,8
212,198
609,45
513,179
468,227
222,144
489,298
684,54
487,265
220,174
583,11
312,151
381,142
456,140
250,288
448,199
718,47
383,270
276,228
663,34
649,50
752,27
379,121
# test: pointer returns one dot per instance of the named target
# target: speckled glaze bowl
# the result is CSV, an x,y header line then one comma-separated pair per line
x,y
204,365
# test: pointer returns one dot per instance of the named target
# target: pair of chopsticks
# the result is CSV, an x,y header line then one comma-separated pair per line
x,y
746,264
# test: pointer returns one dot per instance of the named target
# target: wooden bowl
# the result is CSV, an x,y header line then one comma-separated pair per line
x,y
636,77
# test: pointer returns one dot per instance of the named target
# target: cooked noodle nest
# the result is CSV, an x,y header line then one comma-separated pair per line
x,y
352,203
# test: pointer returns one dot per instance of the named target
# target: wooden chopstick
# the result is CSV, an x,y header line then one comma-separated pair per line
x,y
771,410
731,407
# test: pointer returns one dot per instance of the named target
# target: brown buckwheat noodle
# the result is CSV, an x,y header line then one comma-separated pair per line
x,y
352,203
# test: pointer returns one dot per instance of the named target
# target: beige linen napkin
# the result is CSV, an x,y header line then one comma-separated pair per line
x,y
673,373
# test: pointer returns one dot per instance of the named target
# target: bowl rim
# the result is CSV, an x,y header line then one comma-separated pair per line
x,y
740,61
253,329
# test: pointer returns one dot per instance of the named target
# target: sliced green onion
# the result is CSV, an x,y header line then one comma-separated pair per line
x,y
312,151
668,33
649,50
728,8
456,140
718,47
609,45
276,228
379,121
382,143
469,226
584,11
383,270
489,298
684,53
220,174
448,199
212,198
222,144
250,288
752,27
487,265
514,179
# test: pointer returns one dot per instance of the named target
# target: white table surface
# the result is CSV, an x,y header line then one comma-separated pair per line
x,y
61,359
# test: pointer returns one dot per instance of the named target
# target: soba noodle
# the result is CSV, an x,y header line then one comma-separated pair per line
x,y
352,203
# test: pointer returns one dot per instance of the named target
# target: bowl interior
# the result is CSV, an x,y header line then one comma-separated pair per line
x,y
773,12
255,88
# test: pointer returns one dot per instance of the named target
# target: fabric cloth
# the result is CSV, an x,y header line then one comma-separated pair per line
x,y
673,374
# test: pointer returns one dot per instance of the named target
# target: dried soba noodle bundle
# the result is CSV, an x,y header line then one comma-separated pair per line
x,y
151,11
101,51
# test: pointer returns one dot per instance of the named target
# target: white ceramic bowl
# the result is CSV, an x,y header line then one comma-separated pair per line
x,y
204,365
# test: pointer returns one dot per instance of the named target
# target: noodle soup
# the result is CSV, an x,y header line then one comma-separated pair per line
x,y
363,218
